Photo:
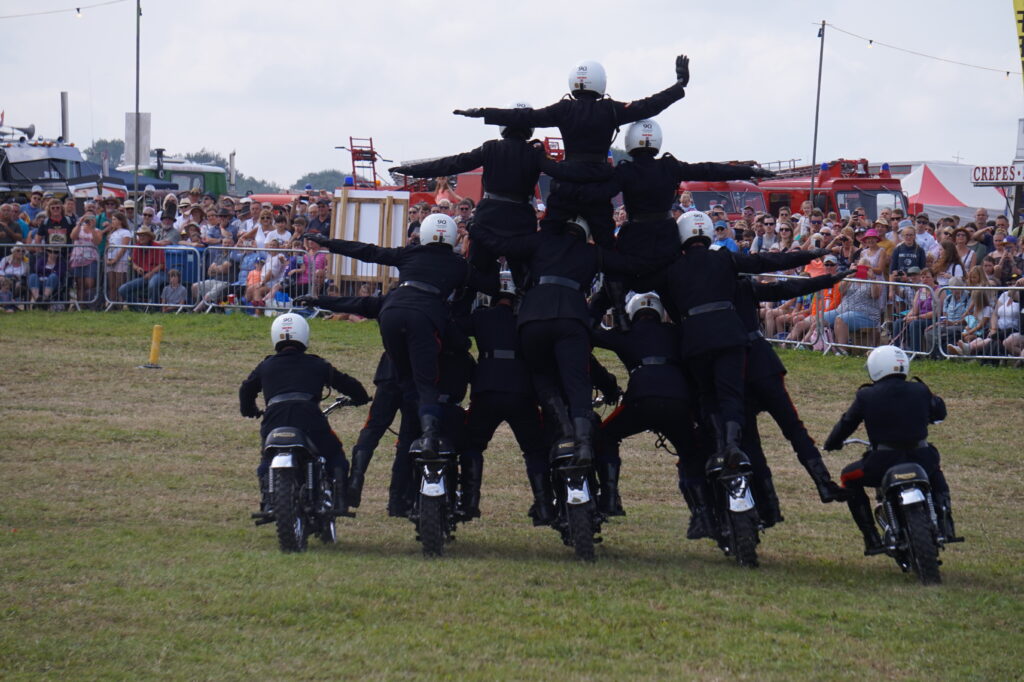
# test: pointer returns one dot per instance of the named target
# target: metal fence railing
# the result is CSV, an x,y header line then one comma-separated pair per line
x,y
982,323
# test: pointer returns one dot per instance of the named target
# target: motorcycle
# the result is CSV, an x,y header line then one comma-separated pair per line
x,y
301,495
577,519
738,523
433,511
911,533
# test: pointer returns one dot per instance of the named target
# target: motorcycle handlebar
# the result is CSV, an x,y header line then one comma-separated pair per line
x,y
858,441
340,401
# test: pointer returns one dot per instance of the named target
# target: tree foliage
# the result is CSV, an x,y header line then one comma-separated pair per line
x,y
325,179
114,149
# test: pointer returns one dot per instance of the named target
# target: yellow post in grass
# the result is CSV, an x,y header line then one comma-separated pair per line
x,y
154,347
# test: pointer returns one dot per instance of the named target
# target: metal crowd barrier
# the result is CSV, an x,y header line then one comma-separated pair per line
x,y
125,284
48,279
924,335
230,294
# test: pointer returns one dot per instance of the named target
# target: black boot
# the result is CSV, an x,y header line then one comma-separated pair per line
x,y
470,478
944,512
608,500
702,522
584,431
860,510
555,410
340,488
729,454
767,501
543,509
266,503
427,444
828,491
356,476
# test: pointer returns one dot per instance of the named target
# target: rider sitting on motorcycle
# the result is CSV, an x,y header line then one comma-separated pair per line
x,y
896,414
292,381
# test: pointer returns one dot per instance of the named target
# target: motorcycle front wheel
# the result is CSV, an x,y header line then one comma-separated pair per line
x,y
581,530
432,525
743,527
924,552
291,524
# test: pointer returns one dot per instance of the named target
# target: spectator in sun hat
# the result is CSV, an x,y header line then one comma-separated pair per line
x,y
167,233
876,256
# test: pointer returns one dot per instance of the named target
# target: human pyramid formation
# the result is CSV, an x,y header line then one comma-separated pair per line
x,y
699,369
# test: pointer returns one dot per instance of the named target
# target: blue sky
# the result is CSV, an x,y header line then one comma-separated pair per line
x,y
284,83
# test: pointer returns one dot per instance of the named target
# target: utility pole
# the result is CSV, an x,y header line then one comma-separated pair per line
x,y
817,110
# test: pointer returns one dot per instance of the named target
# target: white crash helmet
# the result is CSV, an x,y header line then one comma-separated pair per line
x,y
646,301
695,225
587,75
289,327
886,360
580,222
645,134
518,105
437,228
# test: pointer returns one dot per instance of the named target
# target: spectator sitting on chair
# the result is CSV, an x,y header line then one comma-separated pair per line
x,y
951,324
15,268
907,332
859,308
829,300
1004,322
148,266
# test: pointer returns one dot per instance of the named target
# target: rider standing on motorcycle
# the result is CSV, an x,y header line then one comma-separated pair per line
x,y
588,121
896,414
292,381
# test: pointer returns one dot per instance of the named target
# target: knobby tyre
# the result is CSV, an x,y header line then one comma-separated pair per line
x,y
291,526
744,538
432,524
924,553
581,529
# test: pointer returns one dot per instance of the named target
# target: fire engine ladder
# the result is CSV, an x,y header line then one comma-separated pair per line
x,y
364,161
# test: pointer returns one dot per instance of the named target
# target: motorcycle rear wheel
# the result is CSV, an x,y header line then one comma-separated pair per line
x,y
924,553
743,526
291,524
581,529
432,525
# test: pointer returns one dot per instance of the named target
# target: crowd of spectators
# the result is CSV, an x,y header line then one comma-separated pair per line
x,y
58,253
60,250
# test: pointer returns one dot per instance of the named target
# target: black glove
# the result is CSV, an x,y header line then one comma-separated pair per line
x,y
841,275
761,173
359,401
612,396
820,253
470,113
683,69
320,239
828,490
251,411
306,301
832,445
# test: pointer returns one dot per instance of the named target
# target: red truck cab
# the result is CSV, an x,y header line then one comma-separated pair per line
x,y
841,186
732,196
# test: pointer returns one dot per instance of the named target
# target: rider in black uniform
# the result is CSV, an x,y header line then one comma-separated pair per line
x,y
588,121
292,382
896,414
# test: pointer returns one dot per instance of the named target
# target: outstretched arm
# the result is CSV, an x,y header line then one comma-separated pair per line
x,y
786,289
368,253
449,165
846,425
715,171
756,263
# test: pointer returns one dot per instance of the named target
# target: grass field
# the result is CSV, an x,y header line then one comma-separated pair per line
x,y
126,550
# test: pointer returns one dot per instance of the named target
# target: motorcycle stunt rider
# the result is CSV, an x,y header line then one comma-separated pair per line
x,y
658,397
649,185
292,382
697,290
413,317
502,391
896,414
511,167
588,120
554,322
766,391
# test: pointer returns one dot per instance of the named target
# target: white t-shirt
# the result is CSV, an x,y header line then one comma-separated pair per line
x,y
276,266
1007,312
118,259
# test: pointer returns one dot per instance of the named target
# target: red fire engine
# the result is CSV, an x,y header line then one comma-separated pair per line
x,y
840,186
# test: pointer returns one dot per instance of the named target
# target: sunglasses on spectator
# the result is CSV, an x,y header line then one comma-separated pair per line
x,y
769,224
785,229
816,222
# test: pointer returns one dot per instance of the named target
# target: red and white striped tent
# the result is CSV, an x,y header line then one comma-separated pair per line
x,y
945,189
